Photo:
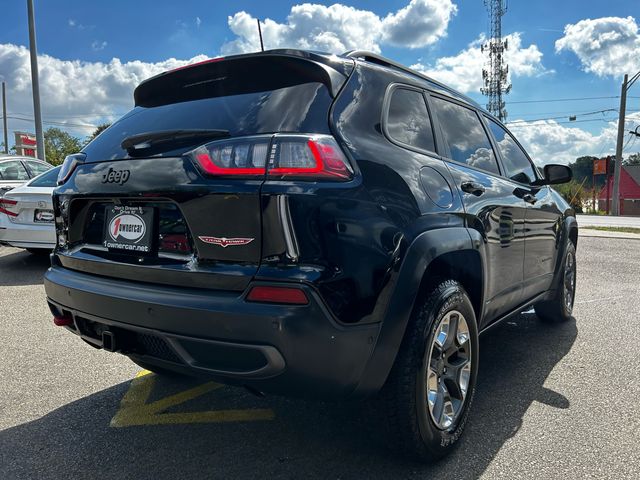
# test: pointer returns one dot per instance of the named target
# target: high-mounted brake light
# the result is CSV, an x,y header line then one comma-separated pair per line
x,y
288,295
281,157
69,165
5,205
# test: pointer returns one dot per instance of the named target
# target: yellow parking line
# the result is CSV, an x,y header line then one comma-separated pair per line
x,y
134,409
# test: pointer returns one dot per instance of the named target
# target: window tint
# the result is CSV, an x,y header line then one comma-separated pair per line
x,y
13,170
517,165
296,108
48,179
468,142
408,121
37,167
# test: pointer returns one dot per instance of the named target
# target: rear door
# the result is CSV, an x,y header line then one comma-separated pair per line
x,y
491,206
161,211
12,174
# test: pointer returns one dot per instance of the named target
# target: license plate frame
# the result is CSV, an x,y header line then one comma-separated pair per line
x,y
129,229
41,211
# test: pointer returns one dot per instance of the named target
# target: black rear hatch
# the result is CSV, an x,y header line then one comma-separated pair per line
x,y
138,208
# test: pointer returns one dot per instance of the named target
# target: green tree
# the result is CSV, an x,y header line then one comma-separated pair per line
x,y
58,144
575,193
633,159
583,169
99,129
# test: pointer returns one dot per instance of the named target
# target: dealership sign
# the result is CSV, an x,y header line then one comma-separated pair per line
x,y
25,144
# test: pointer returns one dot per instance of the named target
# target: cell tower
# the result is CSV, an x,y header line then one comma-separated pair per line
x,y
496,72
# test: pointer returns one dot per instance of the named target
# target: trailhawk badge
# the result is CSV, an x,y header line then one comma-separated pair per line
x,y
224,242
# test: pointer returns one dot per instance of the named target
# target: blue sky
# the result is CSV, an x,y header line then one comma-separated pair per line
x,y
80,38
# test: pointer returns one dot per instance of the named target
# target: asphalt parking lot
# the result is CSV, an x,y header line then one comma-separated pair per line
x,y
552,401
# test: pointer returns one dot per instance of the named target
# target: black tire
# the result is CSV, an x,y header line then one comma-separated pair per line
x,y
402,403
157,370
560,309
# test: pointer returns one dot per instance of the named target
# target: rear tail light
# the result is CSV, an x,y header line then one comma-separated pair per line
x,y
6,205
246,156
288,295
281,156
69,165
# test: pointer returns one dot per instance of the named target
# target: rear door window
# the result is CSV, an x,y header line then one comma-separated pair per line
x,y
408,120
516,163
465,136
13,170
37,167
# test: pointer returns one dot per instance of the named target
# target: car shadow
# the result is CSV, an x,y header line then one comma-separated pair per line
x,y
310,439
19,267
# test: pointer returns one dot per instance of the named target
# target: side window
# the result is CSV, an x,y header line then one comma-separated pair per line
x,y
463,131
517,165
408,119
37,168
13,170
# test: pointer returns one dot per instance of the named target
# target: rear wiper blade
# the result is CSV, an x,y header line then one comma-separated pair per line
x,y
142,143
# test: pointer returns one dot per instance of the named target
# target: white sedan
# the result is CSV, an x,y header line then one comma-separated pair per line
x,y
26,214
16,171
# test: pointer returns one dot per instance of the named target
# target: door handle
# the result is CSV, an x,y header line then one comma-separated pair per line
x,y
529,198
473,188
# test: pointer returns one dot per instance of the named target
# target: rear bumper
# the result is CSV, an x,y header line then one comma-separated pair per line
x,y
27,236
290,350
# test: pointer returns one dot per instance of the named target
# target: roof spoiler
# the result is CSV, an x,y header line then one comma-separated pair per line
x,y
240,74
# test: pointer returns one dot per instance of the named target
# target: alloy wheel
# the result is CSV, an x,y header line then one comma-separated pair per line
x,y
569,282
448,369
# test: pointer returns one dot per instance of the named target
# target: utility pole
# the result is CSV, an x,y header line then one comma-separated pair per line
x,y
617,162
495,75
4,117
35,83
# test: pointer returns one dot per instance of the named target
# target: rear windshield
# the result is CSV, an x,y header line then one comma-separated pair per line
x,y
297,108
47,179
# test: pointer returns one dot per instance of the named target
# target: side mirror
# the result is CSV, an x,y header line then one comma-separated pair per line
x,y
556,174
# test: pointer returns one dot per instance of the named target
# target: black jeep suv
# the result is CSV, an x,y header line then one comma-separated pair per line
x,y
313,225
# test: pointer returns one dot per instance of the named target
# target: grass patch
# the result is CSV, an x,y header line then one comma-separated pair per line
x,y
615,229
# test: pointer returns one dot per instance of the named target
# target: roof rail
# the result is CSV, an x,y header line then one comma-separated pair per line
x,y
380,60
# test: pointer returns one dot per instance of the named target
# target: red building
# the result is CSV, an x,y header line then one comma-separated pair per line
x,y
629,191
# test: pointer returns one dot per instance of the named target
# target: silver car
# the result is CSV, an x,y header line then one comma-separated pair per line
x,y
26,214
16,171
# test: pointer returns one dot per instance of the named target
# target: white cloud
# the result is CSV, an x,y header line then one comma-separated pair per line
x,y
551,142
74,92
337,28
96,46
420,23
604,46
464,70
198,22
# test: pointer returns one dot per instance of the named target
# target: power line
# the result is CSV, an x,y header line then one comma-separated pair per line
x,y
60,124
528,124
564,116
565,99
